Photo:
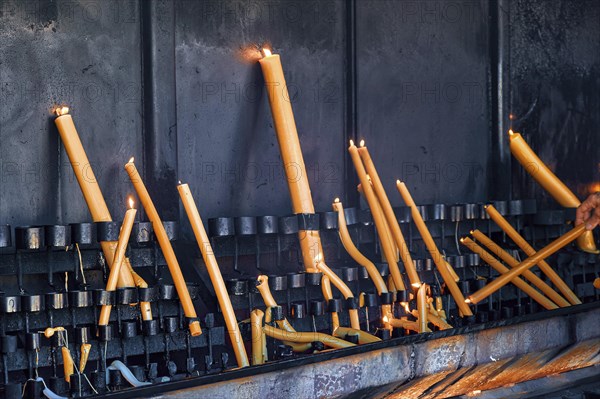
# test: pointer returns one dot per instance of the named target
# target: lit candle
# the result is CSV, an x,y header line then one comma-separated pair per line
x,y
390,217
214,273
422,308
528,274
500,268
259,343
165,246
528,249
441,264
384,232
548,180
94,199
528,263
378,217
113,276
354,252
291,153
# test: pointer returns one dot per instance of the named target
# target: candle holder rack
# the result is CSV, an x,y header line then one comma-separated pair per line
x,y
53,277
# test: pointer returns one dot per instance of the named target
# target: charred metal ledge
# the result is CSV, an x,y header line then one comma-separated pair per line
x,y
439,364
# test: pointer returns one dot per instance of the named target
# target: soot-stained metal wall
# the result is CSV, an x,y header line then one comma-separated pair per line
x,y
167,82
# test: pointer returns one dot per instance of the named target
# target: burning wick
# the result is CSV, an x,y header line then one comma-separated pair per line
x,y
362,143
336,200
266,52
131,160
130,203
510,132
385,319
59,111
351,143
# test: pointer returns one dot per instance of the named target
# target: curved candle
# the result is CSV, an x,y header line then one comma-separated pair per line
x,y
167,249
548,250
354,252
67,363
437,257
113,276
528,274
435,320
390,217
343,288
548,180
363,337
403,323
262,285
528,249
93,197
259,343
378,217
215,275
306,337
500,268
328,295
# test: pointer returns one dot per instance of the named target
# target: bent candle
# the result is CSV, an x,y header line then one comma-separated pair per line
x,y
165,246
548,180
111,284
94,198
528,263
215,275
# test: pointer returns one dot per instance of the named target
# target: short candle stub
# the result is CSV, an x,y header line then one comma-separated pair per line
x,y
195,328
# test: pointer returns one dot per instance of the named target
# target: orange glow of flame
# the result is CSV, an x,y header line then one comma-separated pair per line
x,y
131,203
511,116
59,111
594,187
362,143
131,160
266,52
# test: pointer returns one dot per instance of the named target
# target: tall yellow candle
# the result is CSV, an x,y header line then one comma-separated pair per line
x,y
94,198
215,274
528,263
354,252
437,257
528,274
422,308
548,180
388,212
113,276
165,246
528,249
378,217
500,268
384,233
291,153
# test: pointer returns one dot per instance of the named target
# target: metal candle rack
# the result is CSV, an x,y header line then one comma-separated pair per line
x,y
53,277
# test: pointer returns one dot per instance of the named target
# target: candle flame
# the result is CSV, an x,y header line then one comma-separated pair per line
x,y
416,285
385,319
398,181
467,300
406,308
131,203
510,132
362,143
131,160
351,143
59,111
462,239
511,116
266,52
336,200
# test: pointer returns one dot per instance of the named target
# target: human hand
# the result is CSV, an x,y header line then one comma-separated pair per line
x,y
589,212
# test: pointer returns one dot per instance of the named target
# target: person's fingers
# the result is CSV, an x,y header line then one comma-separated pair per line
x,y
594,220
583,211
581,216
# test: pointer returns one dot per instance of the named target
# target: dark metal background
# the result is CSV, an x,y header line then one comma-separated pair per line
x,y
166,81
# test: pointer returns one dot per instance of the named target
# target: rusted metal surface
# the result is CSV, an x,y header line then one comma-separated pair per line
x,y
436,368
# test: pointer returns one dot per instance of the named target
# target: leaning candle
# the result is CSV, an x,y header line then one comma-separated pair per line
x,y
165,246
500,268
437,257
291,153
528,274
379,219
354,252
528,249
548,180
93,197
390,217
528,263
111,283
214,273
